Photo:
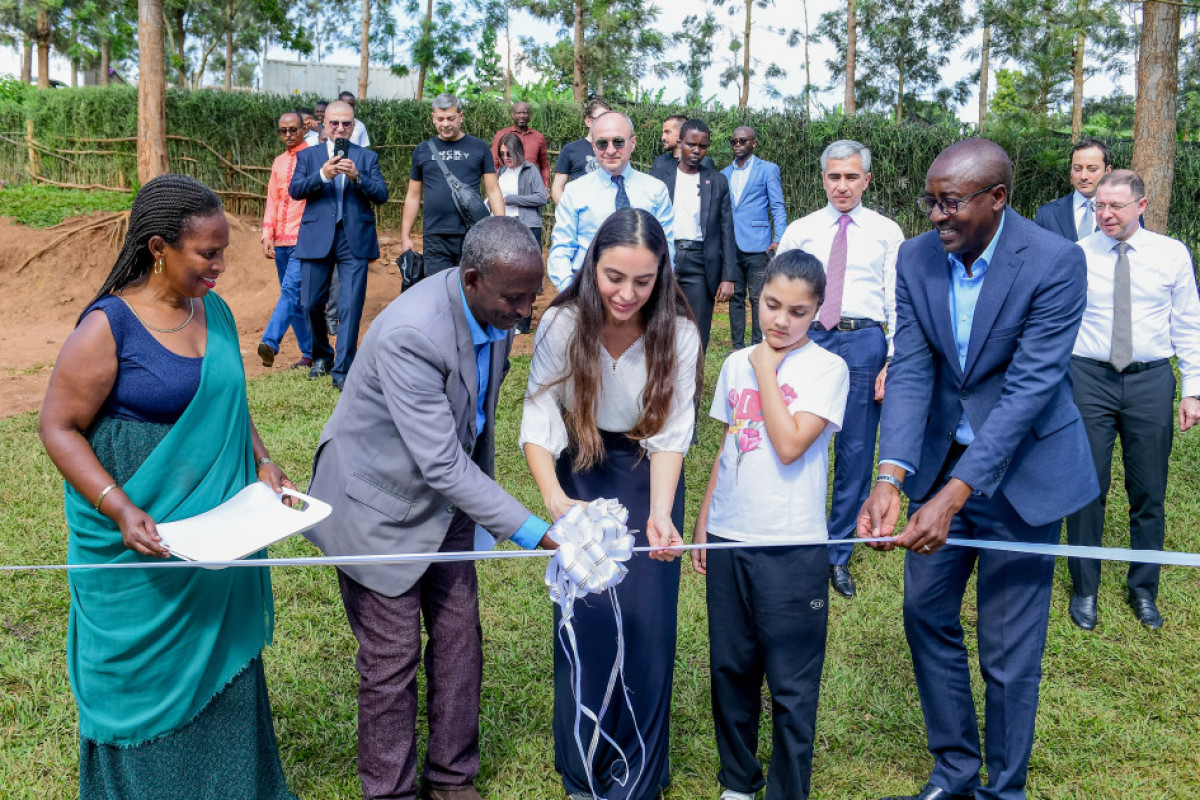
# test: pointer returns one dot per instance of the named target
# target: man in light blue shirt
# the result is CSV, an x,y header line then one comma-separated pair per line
x,y
590,200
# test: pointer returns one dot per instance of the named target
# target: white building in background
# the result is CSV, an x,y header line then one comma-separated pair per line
x,y
328,80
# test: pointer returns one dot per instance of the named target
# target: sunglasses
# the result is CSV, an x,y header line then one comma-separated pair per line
x,y
333,123
617,143
286,131
735,140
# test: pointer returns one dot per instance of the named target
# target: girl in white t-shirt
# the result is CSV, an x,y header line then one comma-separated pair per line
x,y
781,401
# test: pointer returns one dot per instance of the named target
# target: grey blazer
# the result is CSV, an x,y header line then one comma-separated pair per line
x,y
530,196
395,459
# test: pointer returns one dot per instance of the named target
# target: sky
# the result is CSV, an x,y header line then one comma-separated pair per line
x,y
767,46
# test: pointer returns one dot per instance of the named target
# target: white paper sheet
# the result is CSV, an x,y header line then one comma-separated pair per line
x,y
246,523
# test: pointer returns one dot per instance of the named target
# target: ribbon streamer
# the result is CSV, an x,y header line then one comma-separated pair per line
x,y
593,546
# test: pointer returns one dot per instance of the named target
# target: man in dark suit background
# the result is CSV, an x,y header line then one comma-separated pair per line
x,y
1074,216
337,230
705,248
979,416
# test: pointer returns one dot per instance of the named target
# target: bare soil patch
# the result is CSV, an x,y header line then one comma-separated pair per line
x,y
40,303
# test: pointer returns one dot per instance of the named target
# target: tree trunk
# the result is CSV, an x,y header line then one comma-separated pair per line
x,y
744,100
152,92
26,62
807,69
105,61
1154,114
985,52
848,104
900,94
364,51
228,44
43,48
425,31
507,58
578,85
181,80
1077,78
74,72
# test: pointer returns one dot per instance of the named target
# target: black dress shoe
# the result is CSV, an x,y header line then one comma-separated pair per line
x,y
320,369
1083,611
1146,612
266,353
931,792
841,580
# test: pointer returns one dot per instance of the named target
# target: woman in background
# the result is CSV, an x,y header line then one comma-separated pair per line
x,y
524,193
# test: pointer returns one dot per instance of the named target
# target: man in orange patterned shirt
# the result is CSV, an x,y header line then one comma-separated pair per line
x,y
281,226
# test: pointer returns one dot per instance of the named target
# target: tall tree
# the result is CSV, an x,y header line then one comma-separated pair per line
x,y
440,48
849,106
696,38
739,46
1154,124
152,92
364,45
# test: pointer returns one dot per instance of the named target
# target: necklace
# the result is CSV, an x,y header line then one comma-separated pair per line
x,y
177,328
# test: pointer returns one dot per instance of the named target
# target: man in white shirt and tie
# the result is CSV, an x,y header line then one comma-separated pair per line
x,y
1142,308
1074,216
858,247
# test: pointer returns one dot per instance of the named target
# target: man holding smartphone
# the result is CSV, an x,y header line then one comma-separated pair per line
x,y
340,181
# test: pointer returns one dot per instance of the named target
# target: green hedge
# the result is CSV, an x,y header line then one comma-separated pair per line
x,y
240,127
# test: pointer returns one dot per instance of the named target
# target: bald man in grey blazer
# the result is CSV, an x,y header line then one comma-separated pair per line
x,y
406,461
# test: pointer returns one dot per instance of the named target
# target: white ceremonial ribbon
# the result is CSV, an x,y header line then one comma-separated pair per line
x,y
593,544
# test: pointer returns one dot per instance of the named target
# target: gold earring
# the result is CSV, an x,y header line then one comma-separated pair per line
x,y
158,267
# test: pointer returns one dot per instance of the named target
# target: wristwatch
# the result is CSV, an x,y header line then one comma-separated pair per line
x,y
892,479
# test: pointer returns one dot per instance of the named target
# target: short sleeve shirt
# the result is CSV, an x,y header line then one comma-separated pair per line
x,y
576,159
468,158
758,498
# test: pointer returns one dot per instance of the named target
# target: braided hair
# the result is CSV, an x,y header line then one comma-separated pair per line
x,y
165,206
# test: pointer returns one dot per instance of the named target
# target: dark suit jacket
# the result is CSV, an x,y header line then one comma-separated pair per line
x,y
396,459
1029,442
320,214
716,220
1058,216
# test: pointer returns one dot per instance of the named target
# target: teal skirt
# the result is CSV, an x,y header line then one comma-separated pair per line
x,y
228,750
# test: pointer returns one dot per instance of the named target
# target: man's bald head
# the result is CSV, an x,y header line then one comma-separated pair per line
x,y
979,159
609,129
967,189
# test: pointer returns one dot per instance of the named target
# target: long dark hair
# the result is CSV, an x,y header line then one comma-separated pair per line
x,y
165,206
666,306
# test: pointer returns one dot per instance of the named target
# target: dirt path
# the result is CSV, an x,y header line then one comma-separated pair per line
x,y
39,304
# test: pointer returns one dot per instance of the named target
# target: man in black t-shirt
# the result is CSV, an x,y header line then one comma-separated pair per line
x,y
577,158
470,160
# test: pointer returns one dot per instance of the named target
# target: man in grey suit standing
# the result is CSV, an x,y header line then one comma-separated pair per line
x,y
406,460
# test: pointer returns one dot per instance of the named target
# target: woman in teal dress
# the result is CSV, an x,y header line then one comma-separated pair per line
x,y
147,420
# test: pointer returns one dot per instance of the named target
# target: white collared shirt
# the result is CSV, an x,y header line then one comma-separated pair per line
x,y
687,206
1166,307
738,177
872,244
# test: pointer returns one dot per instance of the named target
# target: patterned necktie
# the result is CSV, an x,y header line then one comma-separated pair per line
x,y
622,197
1122,332
1087,223
835,277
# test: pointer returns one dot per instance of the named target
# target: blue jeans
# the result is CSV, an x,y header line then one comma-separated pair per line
x,y
288,312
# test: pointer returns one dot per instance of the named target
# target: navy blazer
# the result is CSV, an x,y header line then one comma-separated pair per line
x,y
1030,443
716,220
759,208
1058,216
320,214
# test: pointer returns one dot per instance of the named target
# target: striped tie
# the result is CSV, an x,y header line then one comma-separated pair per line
x,y
835,277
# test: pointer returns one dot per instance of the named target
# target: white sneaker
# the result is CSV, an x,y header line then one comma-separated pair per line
x,y
730,794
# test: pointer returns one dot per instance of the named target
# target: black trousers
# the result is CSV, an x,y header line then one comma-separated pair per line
x,y
750,268
1140,407
441,251
693,279
768,612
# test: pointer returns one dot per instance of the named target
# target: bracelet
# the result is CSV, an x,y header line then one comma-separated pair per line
x,y
103,494
892,479
261,461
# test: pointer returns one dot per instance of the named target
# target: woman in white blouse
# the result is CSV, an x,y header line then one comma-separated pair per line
x,y
609,413
524,193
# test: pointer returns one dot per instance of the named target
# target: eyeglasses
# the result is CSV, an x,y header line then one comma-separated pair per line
x,y
503,153
950,205
333,123
617,143
286,131
736,140
1113,206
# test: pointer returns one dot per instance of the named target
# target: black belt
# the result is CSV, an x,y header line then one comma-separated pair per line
x,y
689,244
1137,366
848,323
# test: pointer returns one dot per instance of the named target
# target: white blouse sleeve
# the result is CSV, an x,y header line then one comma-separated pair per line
x,y
676,435
542,420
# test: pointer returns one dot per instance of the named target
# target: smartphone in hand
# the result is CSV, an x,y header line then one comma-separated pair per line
x,y
341,147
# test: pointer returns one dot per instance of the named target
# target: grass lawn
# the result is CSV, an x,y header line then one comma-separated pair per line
x,y
1115,721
